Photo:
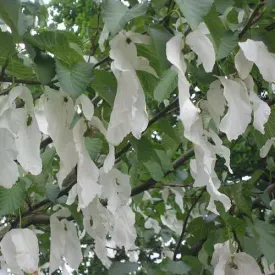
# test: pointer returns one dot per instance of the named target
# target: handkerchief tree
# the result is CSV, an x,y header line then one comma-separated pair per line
x,y
137,137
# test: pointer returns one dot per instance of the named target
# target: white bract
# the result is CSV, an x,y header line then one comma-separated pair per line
x,y
202,168
227,262
267,146
64,242
238,116
20,251
203,47
59,112
216,102
242,65
261,110
257,52
87,172
129,111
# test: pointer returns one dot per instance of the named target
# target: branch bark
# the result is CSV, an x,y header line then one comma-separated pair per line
x,y
185,223
253,18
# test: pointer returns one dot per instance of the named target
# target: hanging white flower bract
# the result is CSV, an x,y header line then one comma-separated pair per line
x,y
203,47
227,262
257,52
203,166
129,111
20,251
238,116
64,242
261,110
112,215
87,171
59,112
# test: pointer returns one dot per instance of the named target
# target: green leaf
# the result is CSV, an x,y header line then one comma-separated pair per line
x,y
160,37
266,239
222,5
237,193
194,11
122,268
116,15
7,46
10,12
94,146
166,85
76,118
165,160
148,157
215,26
228,43
178,267
104,83
17,68
45,68
11,199
148,82
75,79
64,45
198,230
52,191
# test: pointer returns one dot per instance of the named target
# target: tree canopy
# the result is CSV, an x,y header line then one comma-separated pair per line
x,y
136,137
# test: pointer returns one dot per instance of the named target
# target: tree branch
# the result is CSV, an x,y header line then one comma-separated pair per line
x,y
184,227
26,81
270,27
151,182
252,19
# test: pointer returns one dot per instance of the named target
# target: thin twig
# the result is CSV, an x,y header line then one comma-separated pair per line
x,y
4,68
184,227
254,15
102,61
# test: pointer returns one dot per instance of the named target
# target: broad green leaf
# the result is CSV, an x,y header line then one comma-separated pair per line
x,y
172,267
160,37
104,83
116,15
228,43
75,119
148,157
7,46
237,193
148,82
266,239
17,68
11,199
122,268
198,230
150,53
166,85
75,79
64,45
222,5
45,68
94,146
194,11
250,247
10,12
215,26
52,191
165,160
